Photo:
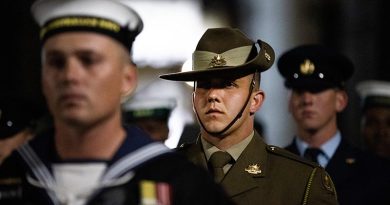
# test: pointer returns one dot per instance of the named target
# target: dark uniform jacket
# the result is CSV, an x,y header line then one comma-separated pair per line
x,y
138,161
269,175
10,182
359,177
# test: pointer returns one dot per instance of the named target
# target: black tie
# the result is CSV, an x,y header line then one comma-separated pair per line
x,y
217,161
312,154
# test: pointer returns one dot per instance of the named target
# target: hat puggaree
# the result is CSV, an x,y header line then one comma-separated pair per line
x,y
225,52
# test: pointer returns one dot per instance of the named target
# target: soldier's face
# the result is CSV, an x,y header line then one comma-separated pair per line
x,y
218,101
84,77
376,130
316,111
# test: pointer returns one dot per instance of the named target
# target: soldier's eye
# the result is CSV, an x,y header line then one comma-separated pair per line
x,y
89,60
229,84
216,84
203,84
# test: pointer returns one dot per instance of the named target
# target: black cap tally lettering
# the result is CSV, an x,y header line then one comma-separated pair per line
x,y
104,16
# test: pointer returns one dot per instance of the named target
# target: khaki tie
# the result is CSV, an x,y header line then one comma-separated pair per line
x,y
217,161
312,154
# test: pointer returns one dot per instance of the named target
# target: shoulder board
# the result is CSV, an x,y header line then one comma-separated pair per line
x,y
183,146
287,154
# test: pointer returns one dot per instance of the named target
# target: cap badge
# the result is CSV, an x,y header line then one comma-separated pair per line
x,y
218,60
253,169
307,67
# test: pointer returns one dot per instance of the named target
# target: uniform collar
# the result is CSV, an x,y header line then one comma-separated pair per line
x,y
328,148
235,150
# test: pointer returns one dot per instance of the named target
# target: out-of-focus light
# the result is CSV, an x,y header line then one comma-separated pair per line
x,y
170,34
187,66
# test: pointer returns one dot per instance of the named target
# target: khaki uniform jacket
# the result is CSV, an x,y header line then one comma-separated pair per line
x,y
270,175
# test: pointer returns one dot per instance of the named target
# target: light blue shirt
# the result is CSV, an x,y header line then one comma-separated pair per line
x,y
328,148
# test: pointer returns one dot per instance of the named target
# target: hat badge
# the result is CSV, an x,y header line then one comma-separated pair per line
x,y
307,67
253,169
267,56
218,60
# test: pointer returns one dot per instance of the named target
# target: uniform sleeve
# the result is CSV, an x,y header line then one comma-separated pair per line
x,y
320,189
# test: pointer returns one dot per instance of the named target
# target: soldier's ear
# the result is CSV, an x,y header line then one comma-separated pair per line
x,y
129,81
341,100
257,101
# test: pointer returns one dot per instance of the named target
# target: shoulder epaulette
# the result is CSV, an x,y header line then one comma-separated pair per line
x,y
287,154
182,147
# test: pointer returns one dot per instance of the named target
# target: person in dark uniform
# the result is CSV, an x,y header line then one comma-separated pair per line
x,y
90,157
375,101
226,74
317,76
16,119
151,114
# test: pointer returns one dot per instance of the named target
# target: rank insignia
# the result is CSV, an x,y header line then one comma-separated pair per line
x,y
307,67
253,169
327,182
218,60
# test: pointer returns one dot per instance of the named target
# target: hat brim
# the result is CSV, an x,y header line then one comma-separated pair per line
x,y
221,72
262,62
312,85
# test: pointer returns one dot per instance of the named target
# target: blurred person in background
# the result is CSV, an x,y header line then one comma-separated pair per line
x,y
317,76
375,100
150,114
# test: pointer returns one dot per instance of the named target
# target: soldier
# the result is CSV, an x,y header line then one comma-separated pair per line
x,y
226,67
375,96
317,76
89,157
150,114
150,108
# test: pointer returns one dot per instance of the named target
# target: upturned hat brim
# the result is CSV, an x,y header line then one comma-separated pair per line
x,y
261,62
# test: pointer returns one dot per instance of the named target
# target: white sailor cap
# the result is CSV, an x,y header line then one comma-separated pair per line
x,y
374,93
159,108
109,17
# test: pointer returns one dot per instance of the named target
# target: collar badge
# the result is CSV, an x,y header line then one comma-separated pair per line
x,y
253,169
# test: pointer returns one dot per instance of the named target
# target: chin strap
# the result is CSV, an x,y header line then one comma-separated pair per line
x,y
238,116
